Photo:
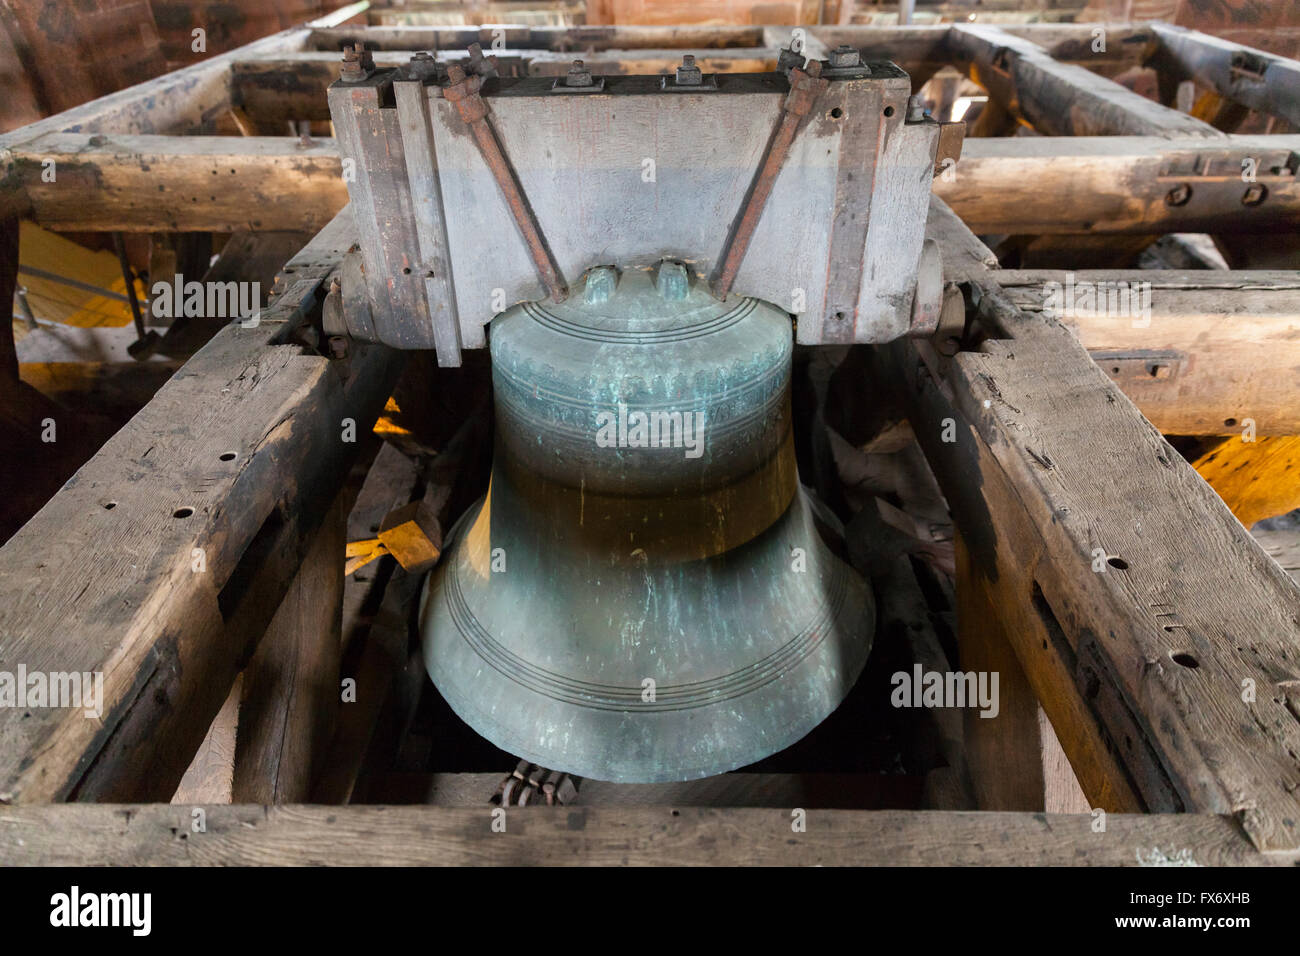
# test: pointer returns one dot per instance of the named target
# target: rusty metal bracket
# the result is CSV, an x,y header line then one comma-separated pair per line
x,y
806,85
463,91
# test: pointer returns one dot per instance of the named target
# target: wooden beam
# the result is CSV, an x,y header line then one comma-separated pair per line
x,y
117,835
184,100
510,38
923,49
1061,99
182,183
1154,604
1123,184
655,62
161,562
273,88
1246,76
1218,353
1105,184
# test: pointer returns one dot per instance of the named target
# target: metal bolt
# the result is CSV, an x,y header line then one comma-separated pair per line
x,y
422,66
479,64
788,59
579,75
845,57
916,109
1179,195
1254,194
688,74
358,64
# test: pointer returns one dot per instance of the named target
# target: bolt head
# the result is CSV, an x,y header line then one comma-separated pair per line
x,y
688,74
358,63
578,75
422,66
845,57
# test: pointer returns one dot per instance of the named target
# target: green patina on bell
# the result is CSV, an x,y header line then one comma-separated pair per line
x,y
642,596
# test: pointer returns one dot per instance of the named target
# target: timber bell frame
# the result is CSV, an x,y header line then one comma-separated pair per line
x,y
1045,435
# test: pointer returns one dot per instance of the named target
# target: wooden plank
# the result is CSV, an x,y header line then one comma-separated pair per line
x,y
414,835
1154,599
1062,792
1217,355
1002,750
182,183
210,777
228,470
1121,184
1257,478
291,694
1061,99
1248,77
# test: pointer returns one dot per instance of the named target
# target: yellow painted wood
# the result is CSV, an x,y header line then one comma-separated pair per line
x,y
56,302
1256,479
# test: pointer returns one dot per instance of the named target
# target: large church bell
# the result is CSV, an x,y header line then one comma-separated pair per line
x,y
642,595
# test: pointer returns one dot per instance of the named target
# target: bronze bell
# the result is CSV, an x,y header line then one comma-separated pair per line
x,y
641,596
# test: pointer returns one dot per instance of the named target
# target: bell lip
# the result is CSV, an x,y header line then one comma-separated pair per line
x,y
853,627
